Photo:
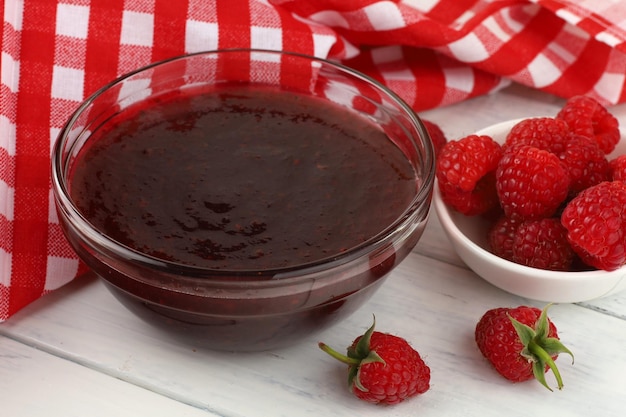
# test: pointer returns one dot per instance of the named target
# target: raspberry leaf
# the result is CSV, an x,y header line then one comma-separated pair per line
x,y
539,349
526,335
362,349
542,326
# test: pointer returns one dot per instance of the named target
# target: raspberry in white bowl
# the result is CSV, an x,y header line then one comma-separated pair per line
x,y
469,235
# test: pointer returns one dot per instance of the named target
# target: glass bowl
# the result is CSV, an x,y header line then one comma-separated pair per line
x,y
241,305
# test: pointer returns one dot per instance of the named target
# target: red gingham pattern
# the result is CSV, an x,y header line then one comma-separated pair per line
x,y
431,52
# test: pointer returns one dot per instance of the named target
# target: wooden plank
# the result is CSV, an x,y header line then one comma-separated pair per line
x,y
35,383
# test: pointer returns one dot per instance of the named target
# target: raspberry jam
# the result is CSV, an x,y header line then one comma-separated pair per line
x,y
241,179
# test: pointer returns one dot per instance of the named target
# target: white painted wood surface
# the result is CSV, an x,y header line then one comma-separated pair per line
x,y
78,352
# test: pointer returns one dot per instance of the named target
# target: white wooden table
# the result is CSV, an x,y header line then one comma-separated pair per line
x,y
77,352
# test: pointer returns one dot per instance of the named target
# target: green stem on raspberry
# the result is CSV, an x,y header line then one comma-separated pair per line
x,y
340,357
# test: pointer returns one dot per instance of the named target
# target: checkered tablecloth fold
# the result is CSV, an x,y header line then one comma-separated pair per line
x,y
431,52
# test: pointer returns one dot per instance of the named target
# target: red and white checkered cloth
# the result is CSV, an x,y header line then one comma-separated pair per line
x,y
431,52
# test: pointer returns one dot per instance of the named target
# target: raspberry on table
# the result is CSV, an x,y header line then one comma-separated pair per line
x,y
401,374
596,224
465,174
531,183
383,368
617,168
520,343
587,117
542,244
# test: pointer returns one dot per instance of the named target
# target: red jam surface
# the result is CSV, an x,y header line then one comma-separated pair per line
x,y
241,178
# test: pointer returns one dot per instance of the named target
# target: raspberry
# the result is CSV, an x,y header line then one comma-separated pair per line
x,y
383,368
587,117
585,163
501,235
436,136
596,224
617,168
465,173
542,244
520,343
545,133
400,374
531,183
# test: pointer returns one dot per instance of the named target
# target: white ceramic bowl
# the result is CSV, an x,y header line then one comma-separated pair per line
x,y
468,237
